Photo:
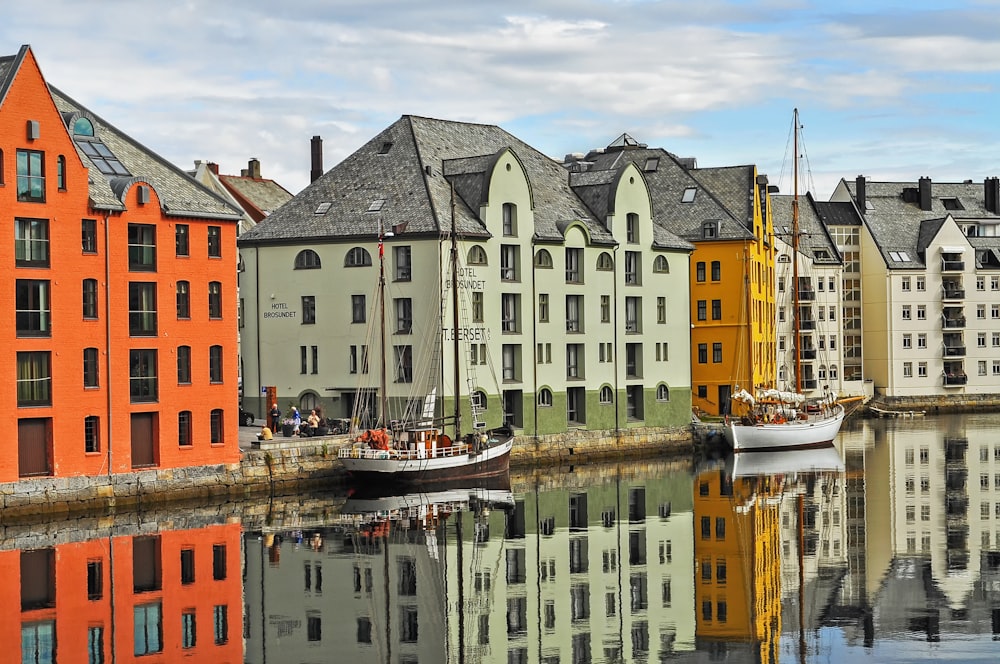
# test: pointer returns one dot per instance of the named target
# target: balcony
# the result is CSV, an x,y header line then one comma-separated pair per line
x,y
954,350
809,383
807,353
807,324
952,265
955,379
952,291
955,323
807,295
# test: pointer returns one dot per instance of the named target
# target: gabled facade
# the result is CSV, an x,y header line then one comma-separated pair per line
x,y
250,192
563,286
930,260
121,350
725,214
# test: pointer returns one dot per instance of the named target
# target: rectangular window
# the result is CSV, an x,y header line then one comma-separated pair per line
x,y
404,363
702,353
477,306
33,316
358,311
219,562
402,262
661,310
142,308
185,435
34,378
921,312
574,360
922,340
147,629
91,434
88,228
906,312
214,299
90,370
716,271
574,257
543,308
358,360
921,284
31,242
404,315
142,375
31,176
510,307
717,352
308,309
215,241
716,309
141,248
906,284
605,308
700,271
508,262
95,579
702,309
303,360
632,268
183,300
189,630
907,369
215,364
922,369
907,341
184,365
315,359
633,315
574,313
221,621
182,240
215,428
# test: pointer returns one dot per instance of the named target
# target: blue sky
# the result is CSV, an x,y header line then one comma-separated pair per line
x,y
892,90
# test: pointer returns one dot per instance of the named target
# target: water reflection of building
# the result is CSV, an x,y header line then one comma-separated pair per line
x,y
737,555
177,593
601,571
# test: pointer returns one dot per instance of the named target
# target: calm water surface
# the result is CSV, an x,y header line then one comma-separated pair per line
x,y
884,548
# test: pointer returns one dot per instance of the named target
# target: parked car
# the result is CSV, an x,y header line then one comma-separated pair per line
x,y
246,417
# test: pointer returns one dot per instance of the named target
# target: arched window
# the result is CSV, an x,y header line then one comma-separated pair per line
x,y
83,127
357,257
781,372
480,399
783,258
545,397
307,259
543,259
662,392
606,396
307,402
216,433
477,256
710,230
661,265
821,373
833,372
605,262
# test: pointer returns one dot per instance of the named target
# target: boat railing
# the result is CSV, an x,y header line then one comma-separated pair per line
x,y
359,452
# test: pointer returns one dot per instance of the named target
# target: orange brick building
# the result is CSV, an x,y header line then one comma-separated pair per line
x,y
158,597
119,349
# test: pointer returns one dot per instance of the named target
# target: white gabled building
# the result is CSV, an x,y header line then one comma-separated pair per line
x,y
573,300
930,273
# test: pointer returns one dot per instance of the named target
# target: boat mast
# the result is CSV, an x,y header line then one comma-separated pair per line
x,y
795,251
454,316
383,397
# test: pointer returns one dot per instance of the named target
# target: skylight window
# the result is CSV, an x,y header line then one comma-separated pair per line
x,y
323,207
376,205
102,157
869,205
899,256
952,204
384,149
652,163
689,194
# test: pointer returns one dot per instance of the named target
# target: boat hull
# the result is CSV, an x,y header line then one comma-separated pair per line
x,y
787,435
365,464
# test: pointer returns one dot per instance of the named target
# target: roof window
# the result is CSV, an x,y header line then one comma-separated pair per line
x,y
323,207
376,205
689,194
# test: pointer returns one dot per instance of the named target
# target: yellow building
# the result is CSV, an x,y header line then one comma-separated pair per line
x,y
726,214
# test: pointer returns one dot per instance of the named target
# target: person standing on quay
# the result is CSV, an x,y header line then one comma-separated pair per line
x,y
275,417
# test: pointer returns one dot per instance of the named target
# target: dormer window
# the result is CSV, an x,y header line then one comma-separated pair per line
x,y
710,230
385,147
952,204
83,127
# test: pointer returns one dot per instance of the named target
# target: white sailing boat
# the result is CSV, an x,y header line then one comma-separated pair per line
x,y
421,451
777,419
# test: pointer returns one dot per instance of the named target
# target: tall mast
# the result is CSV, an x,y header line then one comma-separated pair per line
x,y
795,251
454,316
383,383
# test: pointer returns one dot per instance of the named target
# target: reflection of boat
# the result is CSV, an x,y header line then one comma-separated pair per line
x,y
438,501
777,418
785,462
420,451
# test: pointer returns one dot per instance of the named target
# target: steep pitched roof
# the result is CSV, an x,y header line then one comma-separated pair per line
x,y
402,178
896,221
815,242
731,186
258,196
668,179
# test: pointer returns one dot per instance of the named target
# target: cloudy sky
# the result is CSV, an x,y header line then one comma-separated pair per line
x,y
886,88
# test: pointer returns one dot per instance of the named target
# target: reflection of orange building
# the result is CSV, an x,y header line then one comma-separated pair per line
x,y
160,597
737,542
120,328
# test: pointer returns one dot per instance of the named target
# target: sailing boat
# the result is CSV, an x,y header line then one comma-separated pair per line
x,y
420,451
777,419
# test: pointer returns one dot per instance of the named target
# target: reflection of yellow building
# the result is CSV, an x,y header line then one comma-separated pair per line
x,y
737,561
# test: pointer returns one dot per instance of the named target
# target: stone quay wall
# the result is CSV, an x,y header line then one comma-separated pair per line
x,y
934,404
298,465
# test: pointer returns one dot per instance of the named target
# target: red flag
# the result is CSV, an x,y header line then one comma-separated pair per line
x,y
381,249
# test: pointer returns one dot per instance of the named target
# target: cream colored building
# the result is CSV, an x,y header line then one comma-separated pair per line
x,y
573,300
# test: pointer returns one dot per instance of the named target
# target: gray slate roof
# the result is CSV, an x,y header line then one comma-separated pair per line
x,y
667,184
264,194
179,194
898,225
411,166
815,242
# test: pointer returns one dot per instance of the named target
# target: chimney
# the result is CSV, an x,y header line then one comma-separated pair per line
x,y
860,194
316,146
924,193
992,188
214,167
253,168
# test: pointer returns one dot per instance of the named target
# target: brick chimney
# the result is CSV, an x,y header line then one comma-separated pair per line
x,y
214,167
924,193
860,193
253,168
991,187
316,146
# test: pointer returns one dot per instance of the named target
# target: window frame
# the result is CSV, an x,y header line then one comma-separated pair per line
x,y
30,168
